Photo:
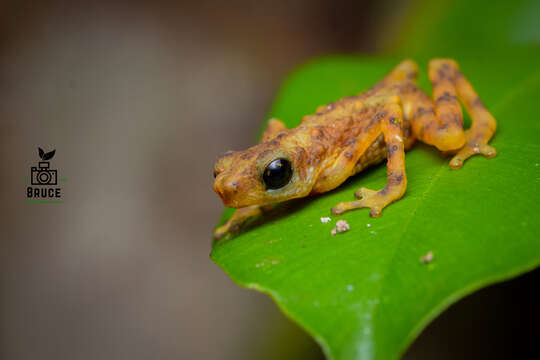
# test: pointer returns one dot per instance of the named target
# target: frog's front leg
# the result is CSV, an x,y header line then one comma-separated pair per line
x,y
390,125
242,215
238,218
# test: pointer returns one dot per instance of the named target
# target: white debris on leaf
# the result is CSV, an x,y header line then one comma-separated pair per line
x,y
341,226
426,259
324,220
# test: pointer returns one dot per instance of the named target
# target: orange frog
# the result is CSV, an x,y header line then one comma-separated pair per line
x,y
346,136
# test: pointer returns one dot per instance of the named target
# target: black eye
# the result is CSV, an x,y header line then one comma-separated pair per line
x,y
277,174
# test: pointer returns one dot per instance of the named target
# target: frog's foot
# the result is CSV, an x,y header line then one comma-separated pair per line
x,y
442,125
235,222
367,198
470,149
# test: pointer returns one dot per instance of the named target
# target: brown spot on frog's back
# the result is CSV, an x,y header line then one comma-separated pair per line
x,y
379,115
375,119
318,133
350,141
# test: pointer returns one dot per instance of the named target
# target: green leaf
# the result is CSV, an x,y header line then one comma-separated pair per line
x,y
364,293
446,27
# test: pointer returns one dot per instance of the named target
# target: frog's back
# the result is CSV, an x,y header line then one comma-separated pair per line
x,y
343,120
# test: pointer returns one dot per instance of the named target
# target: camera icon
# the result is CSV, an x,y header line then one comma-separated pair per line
x,y
42,175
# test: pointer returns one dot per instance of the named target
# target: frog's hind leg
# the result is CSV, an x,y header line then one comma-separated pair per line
x,y
391,126
407,70
442,125
482,128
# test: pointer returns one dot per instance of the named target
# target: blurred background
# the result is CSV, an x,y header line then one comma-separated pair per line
x,y
138,98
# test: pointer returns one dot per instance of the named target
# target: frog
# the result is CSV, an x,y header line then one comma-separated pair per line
x,y
344,137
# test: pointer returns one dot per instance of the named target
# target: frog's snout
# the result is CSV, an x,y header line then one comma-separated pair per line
x,y
227,190
218,188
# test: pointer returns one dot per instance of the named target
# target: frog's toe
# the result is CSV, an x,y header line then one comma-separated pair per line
x,y
469,150
226,229
358,204
376,201
488,151
376,211
340,208
367,199
220,232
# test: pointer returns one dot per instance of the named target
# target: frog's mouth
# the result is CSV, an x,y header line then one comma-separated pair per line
x,y
232,203
220,193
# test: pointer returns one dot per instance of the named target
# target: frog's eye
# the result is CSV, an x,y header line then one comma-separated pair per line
x,y
277,174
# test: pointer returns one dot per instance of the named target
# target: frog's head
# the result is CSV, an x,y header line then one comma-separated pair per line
x,y
269,172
